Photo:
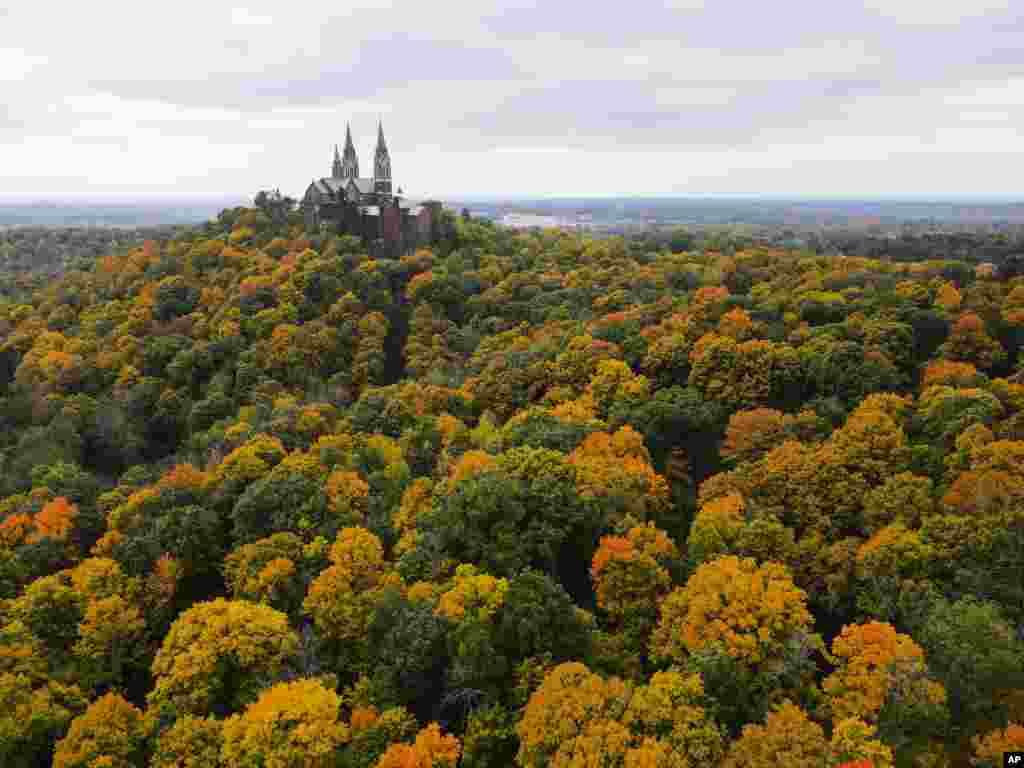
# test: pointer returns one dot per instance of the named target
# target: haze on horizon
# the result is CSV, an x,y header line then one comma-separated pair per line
x,y
881,98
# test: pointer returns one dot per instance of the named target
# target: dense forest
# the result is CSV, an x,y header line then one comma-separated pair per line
x,y
44,252
525,499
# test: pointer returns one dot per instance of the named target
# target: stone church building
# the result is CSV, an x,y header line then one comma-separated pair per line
x,y
369,207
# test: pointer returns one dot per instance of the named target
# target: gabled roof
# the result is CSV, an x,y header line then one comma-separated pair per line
x,y
365,186
332,185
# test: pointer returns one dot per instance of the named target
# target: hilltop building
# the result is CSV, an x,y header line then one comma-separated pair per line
x,y
369,207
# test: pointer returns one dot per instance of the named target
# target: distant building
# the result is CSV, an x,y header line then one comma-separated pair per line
x,y
368,207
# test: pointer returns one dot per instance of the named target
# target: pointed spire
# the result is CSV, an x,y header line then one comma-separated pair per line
x,y
349,166
336,165
381,164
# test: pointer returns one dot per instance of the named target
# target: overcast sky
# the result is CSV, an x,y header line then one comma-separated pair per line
x,y
563,98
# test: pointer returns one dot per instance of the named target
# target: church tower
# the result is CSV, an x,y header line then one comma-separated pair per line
x,y
336,166
349,168
381,165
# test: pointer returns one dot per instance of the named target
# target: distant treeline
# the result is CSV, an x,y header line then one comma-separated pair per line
x,y
52,248
1001,249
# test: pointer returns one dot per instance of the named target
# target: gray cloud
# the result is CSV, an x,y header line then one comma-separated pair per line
x,y
477,97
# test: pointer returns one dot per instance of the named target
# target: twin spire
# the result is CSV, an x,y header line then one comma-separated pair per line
x,y
346,165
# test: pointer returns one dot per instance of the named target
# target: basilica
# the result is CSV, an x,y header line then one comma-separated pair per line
x,y
369,208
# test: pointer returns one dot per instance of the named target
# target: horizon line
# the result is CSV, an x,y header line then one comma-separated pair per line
x,y
143,199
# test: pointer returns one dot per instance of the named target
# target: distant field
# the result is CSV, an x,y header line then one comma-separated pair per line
x,y
641,212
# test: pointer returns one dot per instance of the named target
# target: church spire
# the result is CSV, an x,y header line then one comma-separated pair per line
x,y
381,164
349,162
336,166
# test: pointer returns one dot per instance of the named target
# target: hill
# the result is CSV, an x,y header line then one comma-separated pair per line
x,y
530,497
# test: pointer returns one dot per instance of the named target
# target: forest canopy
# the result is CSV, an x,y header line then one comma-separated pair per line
x,y
525,498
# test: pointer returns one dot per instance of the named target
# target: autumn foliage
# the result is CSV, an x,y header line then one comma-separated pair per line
x,y
272,497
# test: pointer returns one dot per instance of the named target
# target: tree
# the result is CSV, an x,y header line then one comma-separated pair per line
x,y
470,604
190,742
752,433
34,710
616,481
788,737
989,749
110,638
217,654
751,612
630,574
577,718
342,599
292,725
882,679
975,653
271,571
520,513
538,618
431,749
288,498
970,343
111,732
408,652
746,374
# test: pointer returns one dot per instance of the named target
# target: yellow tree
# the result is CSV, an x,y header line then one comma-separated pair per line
x,y
576,718
341,600
569,715
291,725
751,612
191,742
788,737
416,501
110,637
268,571
853,741
472,595
34,709
614,475
216,654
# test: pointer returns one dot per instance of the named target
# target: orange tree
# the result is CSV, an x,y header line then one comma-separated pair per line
x,y
882,679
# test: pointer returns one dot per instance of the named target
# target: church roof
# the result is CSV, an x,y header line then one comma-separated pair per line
x,y
329,185
365,186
